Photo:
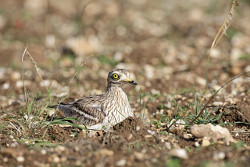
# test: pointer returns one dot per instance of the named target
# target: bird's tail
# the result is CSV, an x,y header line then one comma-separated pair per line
x,y
59,105
53,106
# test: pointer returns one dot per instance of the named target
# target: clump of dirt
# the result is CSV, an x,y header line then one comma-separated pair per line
x,y
129,131
129,125
237,113
63,134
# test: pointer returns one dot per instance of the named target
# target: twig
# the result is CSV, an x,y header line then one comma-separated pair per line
x,y
222,31
24,89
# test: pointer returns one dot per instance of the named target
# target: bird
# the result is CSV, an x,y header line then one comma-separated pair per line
x,y
101,112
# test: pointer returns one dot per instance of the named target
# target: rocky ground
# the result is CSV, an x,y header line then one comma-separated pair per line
x,y
72,45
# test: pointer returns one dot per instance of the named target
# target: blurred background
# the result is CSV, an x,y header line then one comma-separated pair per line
x,y
163,43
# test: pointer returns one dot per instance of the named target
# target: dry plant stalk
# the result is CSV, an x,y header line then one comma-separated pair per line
x,y
38,70
211,98
24,89
226,24
77,71
222,31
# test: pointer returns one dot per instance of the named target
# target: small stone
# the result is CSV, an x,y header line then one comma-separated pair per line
x,y
196,144
219,156
148,136
151,132
215,53
60,149
19,83
3,22
50,41
218,103
122,162
211,132
177,127
201,81
168,145
5,159
56,159
15,76
139,156
45,83
186,136
130,136
236,70
118,56
179,153
43,151
247,68
138,128
51,112
205,142
105,152
14,144
149,71
20,159
5,86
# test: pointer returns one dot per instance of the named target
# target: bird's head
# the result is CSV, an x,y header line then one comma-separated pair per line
x,y
120,77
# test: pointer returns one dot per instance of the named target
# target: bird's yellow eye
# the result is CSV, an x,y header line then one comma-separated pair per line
x,y
115,76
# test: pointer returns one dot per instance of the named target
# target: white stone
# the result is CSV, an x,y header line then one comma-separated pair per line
x,y
20,159
5,86
219,156
179,153
122,162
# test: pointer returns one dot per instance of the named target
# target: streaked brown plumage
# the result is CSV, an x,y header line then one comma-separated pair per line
x,y
104,110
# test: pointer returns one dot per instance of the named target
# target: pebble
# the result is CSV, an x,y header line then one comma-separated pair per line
x,y
118,56
179,153
130,136
219,156
43,151
56,159
19,83
122,162
168,145
218,103
211,132
20,159
151,132
2,72
60,149
5,159
247,68
50,41
149,71
186,136
215,53
105,152
5,86
139,156
201,81
205,142
196,144
3,22
15,76
45,83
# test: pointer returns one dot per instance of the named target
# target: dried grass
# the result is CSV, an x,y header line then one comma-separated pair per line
x,y
222,31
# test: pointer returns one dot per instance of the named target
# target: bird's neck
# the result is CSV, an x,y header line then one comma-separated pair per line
x,y
113,88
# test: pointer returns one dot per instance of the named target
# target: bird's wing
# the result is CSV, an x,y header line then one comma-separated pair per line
x,y
87,112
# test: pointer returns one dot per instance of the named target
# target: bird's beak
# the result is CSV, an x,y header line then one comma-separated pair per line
x,y
130,81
